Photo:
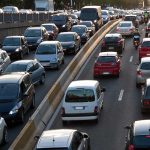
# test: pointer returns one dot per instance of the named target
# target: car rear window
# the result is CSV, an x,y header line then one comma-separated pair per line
x,y
130,18
46,49
146,44
145,66
111,39
124,25
80,95
106,59
142,141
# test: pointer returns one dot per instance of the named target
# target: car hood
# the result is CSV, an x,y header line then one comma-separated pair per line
x,y
59,23
10,48
32,39
7,106
45,57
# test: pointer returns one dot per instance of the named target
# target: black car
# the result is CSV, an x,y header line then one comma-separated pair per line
x,y
113,42
17,95
138,135
62,21
82,31
70,41
15,46
35,35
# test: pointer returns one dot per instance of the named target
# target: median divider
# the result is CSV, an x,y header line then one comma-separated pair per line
x,y
38,121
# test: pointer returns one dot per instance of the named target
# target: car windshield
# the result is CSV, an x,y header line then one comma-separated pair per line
x,y
145,66
8,92
111,39
48,27
32,33
79,30
80,95
142,141
89,14
46,49
124,25
11,42
65,37
16,68
106,59
130,18
104,13
146,44
88,24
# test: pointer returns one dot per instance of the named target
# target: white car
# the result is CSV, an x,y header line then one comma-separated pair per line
x,y
126,28
10,9
63,139
83,100
3,131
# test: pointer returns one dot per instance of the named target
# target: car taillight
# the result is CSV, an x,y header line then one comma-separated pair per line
x,y
117,30
146,102
147,136
96,109
131,147
62,110
139,73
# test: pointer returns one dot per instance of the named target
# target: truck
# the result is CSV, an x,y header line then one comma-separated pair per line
x,y
44,5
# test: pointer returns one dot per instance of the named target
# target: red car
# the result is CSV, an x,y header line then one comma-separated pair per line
x,y
144,48
107,63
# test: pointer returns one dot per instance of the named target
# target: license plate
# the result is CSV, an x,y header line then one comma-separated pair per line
x,y
111,47
105,73
45,64
79,107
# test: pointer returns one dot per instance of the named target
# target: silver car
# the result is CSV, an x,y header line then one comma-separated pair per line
x,y
143,71
126,28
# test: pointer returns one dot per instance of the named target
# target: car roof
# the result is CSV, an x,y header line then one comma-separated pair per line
x,y
112,35
94,6
35,28
142,127
107,54
66,33
80,25
55,138
125,22
145,59
49,42
83,83
49,24
11,77
146,39
14,36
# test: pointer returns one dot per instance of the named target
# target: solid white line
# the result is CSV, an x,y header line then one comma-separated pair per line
x,y
121,95
131,58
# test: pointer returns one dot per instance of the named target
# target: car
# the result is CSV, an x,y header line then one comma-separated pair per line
x,y
74,19
62,21
83,100
144,48
112,15
3,131
145,100
90,25
113,42
126,28
63,139
105,16
35,35
50,54
52,30
147,30
107,63
143,71
10,9
138,135
4,60
82,31
15,46
33,67
17,96
70,42
132,18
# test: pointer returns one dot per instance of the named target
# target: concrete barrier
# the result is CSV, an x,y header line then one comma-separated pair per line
x,y
37,122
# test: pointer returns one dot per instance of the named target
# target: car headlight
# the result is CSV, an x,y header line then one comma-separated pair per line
x,y
15,109
63,26
17,50
39,41
94,21
53,60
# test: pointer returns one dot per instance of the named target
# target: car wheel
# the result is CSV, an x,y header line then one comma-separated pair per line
x,y
117,75
21,55
21,117
33,102
138,85
5,136
42,80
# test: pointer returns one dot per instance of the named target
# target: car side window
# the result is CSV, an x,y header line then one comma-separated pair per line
x,y
98,92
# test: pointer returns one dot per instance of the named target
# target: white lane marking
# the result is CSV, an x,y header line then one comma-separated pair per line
x,y
121,95
131,58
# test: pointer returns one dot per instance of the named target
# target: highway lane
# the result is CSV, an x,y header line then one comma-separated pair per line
x,y
121,104
41,90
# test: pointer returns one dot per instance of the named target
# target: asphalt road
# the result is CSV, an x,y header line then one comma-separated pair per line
x,y
121,104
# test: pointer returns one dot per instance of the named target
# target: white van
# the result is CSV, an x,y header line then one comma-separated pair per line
x,y
83,100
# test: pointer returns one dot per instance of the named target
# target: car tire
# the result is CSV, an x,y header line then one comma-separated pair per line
x,y
42,79
5,136
138,85
33,102
21,117
21,55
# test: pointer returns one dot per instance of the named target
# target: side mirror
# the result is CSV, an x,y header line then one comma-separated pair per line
x,y
127,127
103,90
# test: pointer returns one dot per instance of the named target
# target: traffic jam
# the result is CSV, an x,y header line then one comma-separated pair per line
x,y
27,59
